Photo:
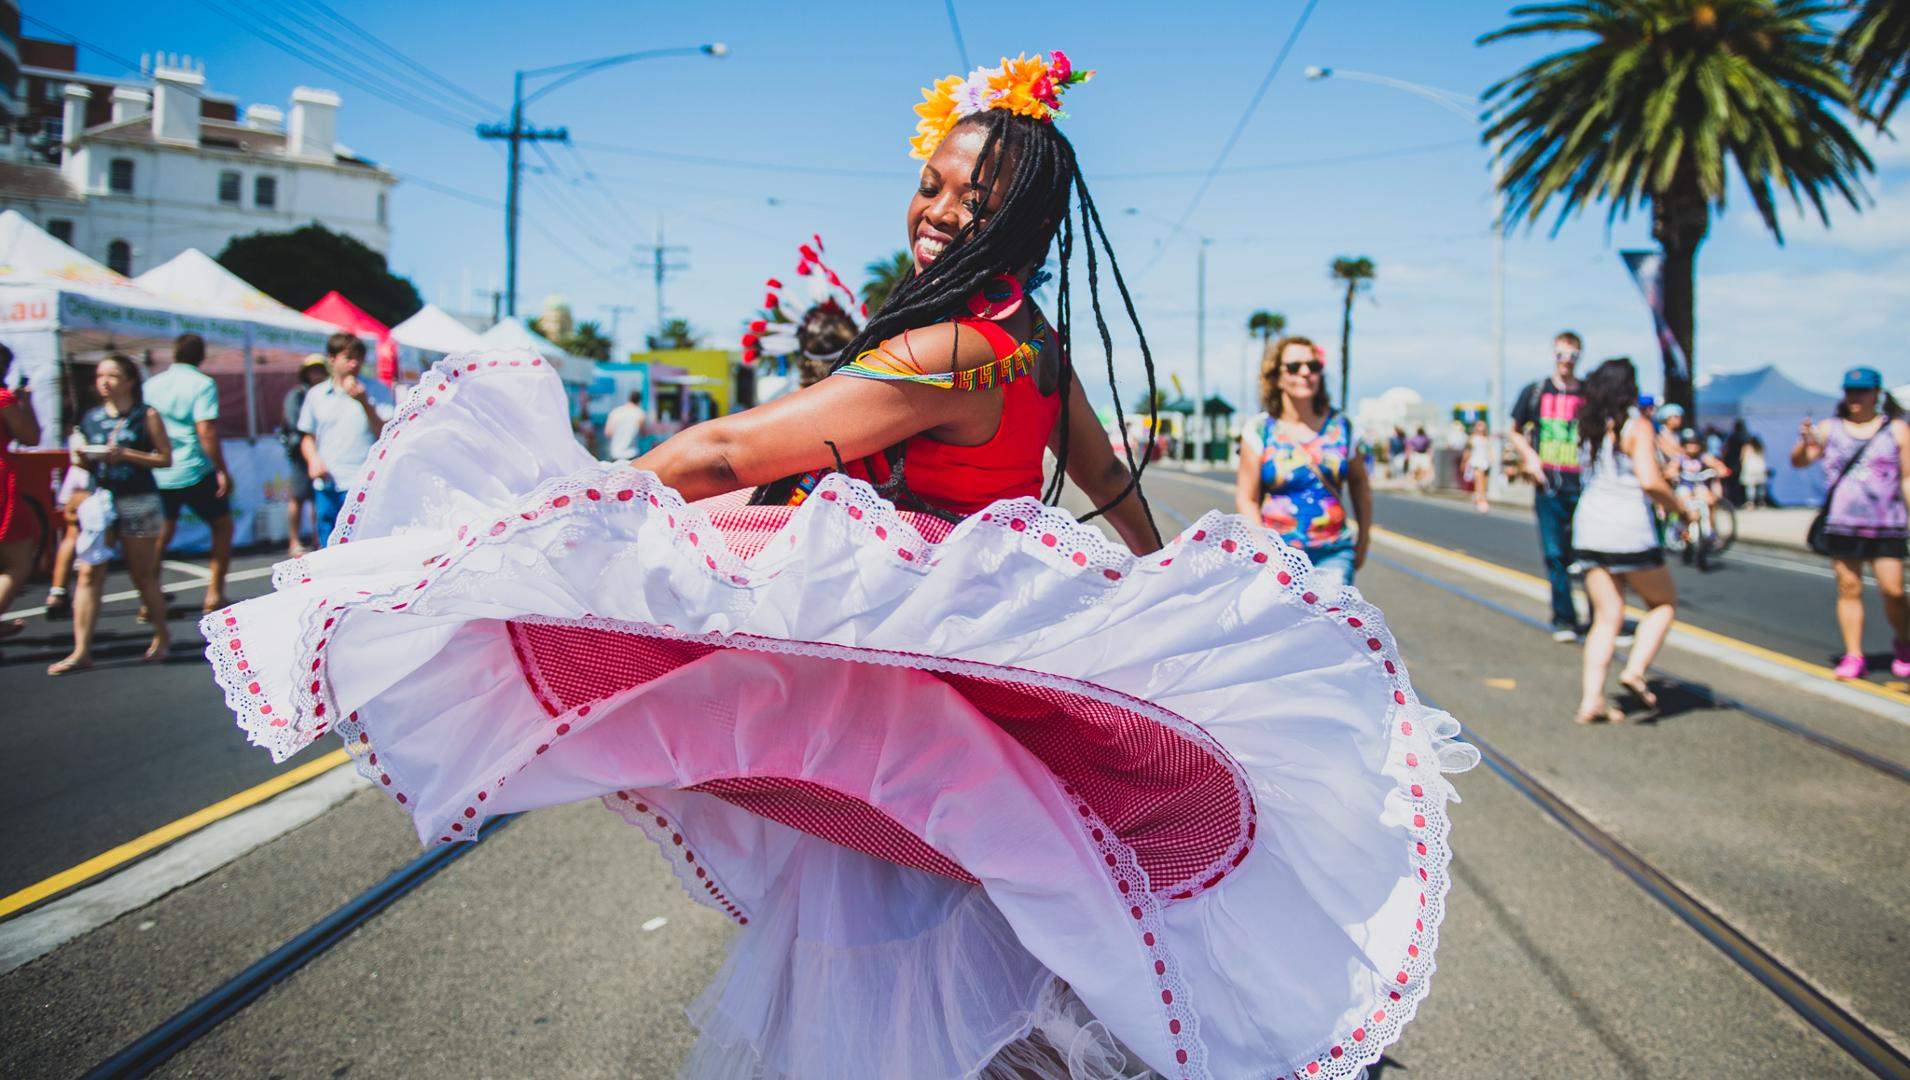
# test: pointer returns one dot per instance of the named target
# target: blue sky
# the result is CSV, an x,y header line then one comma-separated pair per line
x,y
818,96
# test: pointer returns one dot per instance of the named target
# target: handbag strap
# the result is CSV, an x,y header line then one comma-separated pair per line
x,y
1855,457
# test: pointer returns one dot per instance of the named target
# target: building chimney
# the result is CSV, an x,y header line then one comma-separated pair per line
x,y
265,117
314,124
176,90
73,118
130,102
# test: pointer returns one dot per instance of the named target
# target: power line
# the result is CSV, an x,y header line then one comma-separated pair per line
x,y
403,59
326,41
1292,164
371,86
738,163
1246,116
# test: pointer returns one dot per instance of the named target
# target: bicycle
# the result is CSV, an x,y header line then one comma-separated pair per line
x,y
1708,530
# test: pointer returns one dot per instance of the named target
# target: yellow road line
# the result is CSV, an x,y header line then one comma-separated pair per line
x,y
1770,655
166,834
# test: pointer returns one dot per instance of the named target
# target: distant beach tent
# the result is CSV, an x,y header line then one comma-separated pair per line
x,y
1771,406
435,333
342,313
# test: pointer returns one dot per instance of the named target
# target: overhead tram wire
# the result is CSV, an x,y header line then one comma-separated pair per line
x,y
617,207
326,40
1240,128
490,109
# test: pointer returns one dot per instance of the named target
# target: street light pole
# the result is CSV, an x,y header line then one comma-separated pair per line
x,y
517,135
1467,108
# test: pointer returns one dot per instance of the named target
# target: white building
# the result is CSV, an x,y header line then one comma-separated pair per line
x,y
159,177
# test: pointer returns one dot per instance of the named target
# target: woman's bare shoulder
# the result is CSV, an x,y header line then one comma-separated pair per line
x,y
940,348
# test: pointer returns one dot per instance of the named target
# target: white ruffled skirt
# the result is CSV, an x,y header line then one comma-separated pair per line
x,y
996,800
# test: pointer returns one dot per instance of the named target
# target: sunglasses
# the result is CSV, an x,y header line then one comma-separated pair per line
x,y
1566,354
1311,367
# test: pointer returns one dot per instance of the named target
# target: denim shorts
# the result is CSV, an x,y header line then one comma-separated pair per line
x,y
139,516
1332,567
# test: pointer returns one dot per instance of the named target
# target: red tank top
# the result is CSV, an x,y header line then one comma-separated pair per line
x,y
964,479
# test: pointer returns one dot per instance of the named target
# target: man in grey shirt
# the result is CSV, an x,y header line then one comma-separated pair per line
x,y
340,421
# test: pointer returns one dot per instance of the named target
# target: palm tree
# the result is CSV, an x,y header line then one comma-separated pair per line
x,y
1358,272
1654,105
884,276
673,334
1267,324
1877,44
588,340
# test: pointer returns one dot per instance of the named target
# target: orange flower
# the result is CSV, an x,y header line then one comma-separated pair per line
x,y
938,116
1015,86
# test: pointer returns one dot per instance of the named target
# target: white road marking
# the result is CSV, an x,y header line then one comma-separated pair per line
x,y
133,594
176,566
28,937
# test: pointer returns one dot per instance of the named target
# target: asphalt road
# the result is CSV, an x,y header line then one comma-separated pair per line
x,y
108,754
529,956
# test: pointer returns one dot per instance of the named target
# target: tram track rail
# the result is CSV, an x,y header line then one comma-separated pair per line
x,y
153,1049
1850,1033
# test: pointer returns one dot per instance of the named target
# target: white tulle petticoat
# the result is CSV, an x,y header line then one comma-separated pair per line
x,y
1000,799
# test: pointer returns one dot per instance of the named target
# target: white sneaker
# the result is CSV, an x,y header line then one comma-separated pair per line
x,y
1564,635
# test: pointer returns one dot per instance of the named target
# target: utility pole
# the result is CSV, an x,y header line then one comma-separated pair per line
x,y
1200,350
516,134
660,266
616,318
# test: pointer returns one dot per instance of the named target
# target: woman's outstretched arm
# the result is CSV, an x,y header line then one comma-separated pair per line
x,y
1101,476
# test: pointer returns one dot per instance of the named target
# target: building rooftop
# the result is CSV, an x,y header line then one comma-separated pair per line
x,y
215,135
24,181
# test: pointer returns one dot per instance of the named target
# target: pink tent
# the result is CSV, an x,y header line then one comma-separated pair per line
x,y
342,313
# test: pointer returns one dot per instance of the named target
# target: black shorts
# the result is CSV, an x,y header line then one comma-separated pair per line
x,y
1622,562
1865,547
203,497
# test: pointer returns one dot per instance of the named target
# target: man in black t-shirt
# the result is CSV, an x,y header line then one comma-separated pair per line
x,y
1545,432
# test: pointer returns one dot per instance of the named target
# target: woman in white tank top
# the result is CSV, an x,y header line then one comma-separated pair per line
x,y
1615,539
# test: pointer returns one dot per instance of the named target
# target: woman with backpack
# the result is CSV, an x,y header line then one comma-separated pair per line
x,y
1298,471
1864,518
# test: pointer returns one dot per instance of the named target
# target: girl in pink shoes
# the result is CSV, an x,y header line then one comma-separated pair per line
x,y
1863,520
984,793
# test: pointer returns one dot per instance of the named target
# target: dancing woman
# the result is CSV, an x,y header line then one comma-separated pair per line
x,y
983,793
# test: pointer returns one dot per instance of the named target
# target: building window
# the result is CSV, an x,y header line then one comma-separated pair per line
x,y
229,188
265,192
60,229
119,176
119,257
381,208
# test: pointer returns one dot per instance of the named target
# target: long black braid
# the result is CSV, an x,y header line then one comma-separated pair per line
x,y
1018,233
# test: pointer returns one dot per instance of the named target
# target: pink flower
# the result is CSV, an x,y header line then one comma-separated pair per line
x,y
1043,91
1059,68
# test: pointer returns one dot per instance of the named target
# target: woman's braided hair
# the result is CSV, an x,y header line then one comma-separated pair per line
x,y
1019,233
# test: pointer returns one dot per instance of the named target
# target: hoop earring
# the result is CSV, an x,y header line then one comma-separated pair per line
x,y
998,299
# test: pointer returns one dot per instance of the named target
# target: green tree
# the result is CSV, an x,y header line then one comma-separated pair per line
x,y
884,276
587,340
297,268
1356,272
1652,107
1268,325
1877,44
673,334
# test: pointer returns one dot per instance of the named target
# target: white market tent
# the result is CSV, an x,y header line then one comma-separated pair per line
x,y
434,333
576,371
193,277
51,295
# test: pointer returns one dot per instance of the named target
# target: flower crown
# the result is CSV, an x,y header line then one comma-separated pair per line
x,y
1026,86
